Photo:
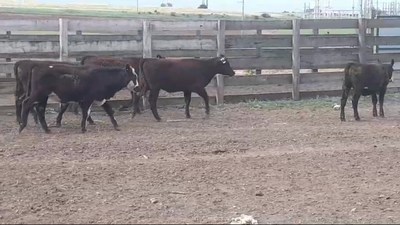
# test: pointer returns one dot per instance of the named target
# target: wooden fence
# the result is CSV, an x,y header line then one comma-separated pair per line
x,y
249,45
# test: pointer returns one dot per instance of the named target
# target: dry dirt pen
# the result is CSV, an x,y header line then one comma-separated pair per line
x,y
282,162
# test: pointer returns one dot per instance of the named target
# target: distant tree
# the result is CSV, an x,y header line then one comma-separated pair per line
x,y
169,4
163,5
266,15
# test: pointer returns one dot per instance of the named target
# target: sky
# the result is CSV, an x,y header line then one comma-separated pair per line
x,y
251,6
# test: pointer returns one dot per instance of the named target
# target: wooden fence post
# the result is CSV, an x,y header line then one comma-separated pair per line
x,y
258,71
296,59
315,32
221,50
63,33
8,33
362,53
147,50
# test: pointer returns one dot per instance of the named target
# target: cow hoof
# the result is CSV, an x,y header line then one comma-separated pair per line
x,y
188,117
84,131
207,117
343,119
92,123
357,118
58,125
47,131
117,129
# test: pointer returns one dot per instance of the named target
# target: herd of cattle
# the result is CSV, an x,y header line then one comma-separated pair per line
x,y
97,79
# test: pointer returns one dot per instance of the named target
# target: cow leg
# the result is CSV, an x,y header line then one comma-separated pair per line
x,y
345,95
18,108
374,101
153,103
41,110
136,108
90,120
188,98
381,98
356,98
34,114
110,114
203,93
63,108
27,104
18,105
85,107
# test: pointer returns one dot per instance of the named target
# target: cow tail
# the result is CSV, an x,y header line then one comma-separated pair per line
x,y
29,80
347,68
17,84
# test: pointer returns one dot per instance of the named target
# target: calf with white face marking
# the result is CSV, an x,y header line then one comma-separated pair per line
x,y
77,84
187,75
366,79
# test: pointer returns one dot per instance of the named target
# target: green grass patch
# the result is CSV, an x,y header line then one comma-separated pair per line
x,y
312,104
317,103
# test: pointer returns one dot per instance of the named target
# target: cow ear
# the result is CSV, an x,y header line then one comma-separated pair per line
x,y
127,68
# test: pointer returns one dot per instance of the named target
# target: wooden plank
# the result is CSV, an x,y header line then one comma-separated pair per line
x,y
183,37
63,48
274,79
183,25
315,32
329,24
105,46
259,33
328,40
259,25
383,40
384,57
28,47
324,58
120,26
7,67
55,38
203,44
186,53
362,54
123,53
147,40
331,77
296,59
254,41
221,51
147,50
383,23
260,63
28,25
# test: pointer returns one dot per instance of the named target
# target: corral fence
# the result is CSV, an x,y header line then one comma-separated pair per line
x,y
300,48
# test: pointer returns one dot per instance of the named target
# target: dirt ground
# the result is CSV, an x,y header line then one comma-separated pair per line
x,y
280,162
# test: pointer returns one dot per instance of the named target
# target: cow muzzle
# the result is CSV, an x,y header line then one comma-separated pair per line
x,y
391,80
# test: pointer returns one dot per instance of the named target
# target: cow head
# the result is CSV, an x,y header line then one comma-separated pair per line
x,y
223,66
388,69
160,57
133,79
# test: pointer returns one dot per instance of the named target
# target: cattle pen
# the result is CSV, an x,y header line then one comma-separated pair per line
x,y
279,58
281,161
